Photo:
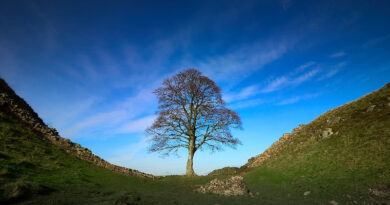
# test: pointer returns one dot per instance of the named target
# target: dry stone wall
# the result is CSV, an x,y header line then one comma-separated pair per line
x,y
274,148
28,116
287,140
234,186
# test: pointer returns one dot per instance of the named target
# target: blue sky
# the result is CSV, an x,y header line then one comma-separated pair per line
x,y
89,68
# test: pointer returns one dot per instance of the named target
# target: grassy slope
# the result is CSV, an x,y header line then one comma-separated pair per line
x,y
342,167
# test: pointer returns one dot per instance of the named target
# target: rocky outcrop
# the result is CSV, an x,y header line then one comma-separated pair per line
x,y
370,108
234,186
334,120
17,107
274,148
326,133
380,194
287,140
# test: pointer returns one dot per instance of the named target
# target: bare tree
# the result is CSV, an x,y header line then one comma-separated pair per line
x,y
191,115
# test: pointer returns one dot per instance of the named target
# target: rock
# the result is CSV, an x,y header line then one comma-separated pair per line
x,y
128,198
21,190
306,193
326,133
370,108
333,202
334,120
233,186
381,192
286,135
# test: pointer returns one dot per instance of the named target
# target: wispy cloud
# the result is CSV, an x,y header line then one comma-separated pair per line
x,y
138,125
126,153
89,68
376,41
290,101
233,66
338,54
130,71
297,99
48,28
276,84
304,66
134,66
98,121
247,103
244,97
244,93
284,81
304,77
121,117
111,65
69,111
333,70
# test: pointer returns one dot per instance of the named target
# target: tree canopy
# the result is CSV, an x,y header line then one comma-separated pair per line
x,y
191,115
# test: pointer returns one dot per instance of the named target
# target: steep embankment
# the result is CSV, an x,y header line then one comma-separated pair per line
x,y
344,154
12,104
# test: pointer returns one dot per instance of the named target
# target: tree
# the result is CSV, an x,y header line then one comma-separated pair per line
x,y
191,115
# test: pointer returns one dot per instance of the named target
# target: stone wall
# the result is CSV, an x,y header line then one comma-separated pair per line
x,y
234,186
287,140
29,117
274,148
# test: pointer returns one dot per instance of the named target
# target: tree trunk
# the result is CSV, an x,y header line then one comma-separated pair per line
x,y
191,151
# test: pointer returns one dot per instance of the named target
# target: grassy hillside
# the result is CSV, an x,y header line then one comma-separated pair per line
x,y
339,156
